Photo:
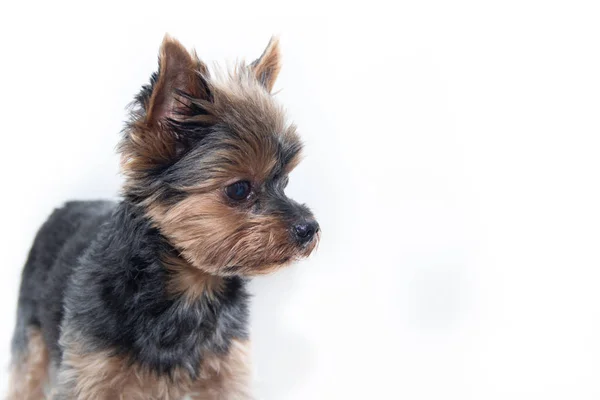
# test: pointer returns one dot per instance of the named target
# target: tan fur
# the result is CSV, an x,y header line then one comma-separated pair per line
x,y
190,282
225,378
212,236
267,67
29,373
102,376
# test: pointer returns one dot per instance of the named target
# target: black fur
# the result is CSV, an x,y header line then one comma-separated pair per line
x,y
94,267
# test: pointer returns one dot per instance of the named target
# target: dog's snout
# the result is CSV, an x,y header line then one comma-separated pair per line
x,y
305,230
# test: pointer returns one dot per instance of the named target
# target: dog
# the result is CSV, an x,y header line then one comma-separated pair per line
x,y
145,298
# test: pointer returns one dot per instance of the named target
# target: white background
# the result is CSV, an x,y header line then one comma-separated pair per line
x,y
452,158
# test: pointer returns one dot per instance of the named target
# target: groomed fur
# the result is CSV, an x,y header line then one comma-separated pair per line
x,y
145,298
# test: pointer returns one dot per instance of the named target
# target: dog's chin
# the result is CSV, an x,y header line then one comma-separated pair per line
x,y
268,265
259,269
262,268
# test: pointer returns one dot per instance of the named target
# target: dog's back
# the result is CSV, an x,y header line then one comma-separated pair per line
x,y
59,242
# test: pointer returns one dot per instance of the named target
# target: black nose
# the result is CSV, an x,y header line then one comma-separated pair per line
x,y
305,231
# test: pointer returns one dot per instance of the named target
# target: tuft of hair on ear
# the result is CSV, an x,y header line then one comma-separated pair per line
x,y
169,113
181,77
267,66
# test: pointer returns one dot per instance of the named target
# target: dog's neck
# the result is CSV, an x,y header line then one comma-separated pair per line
x,y
159,311
184,279
189,282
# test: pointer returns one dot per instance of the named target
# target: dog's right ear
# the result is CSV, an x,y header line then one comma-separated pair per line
x,y
174,97
181,76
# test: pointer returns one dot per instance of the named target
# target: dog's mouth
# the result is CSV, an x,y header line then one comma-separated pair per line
x,y
307,249
269,263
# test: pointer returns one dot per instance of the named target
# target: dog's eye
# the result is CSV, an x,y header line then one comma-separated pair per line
x,y
239,190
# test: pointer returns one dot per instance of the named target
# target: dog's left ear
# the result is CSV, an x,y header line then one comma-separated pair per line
x,y
267,66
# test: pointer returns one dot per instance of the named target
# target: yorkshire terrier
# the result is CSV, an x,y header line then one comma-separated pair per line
x,y
145,298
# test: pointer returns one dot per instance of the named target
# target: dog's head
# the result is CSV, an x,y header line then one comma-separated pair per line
x,y
208,159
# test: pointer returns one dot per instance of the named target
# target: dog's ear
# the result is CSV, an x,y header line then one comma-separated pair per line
x,y
181,77
267,66
178,96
